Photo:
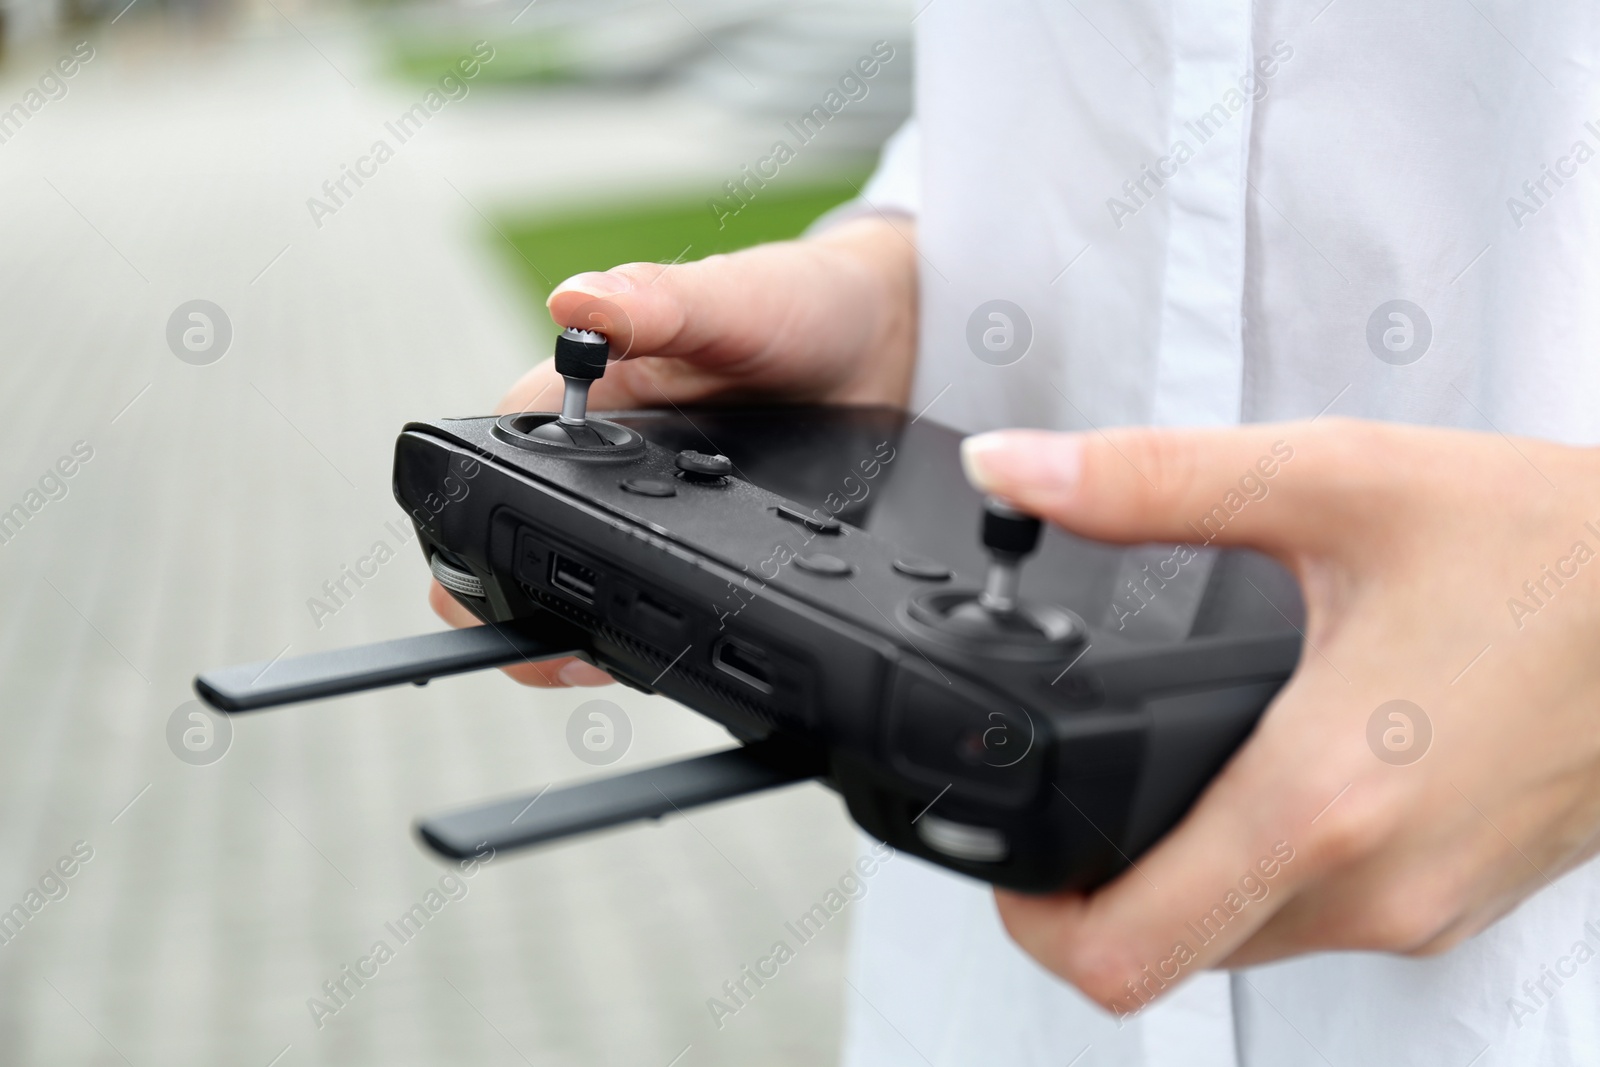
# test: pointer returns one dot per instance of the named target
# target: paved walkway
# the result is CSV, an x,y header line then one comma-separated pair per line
x,y
216,900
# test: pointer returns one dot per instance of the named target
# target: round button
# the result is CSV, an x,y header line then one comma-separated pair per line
x,y
699,464
924,567
820,563
650,487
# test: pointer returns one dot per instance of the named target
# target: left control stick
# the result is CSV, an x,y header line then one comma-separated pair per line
x,y
580,360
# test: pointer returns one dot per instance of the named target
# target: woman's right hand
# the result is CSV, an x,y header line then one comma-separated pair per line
x,y
827,319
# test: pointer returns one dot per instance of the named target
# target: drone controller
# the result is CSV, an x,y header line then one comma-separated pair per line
x,y
810,578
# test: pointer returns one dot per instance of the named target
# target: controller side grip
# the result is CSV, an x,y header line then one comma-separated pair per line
x,y
1191,737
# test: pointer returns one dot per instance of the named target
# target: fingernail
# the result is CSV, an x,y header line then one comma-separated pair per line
x,y
579,673
595,283
1004,462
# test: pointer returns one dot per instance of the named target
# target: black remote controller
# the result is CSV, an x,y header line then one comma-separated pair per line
x,y
823,582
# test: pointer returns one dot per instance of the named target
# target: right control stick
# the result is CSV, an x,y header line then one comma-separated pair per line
x,y
1009,536
996,620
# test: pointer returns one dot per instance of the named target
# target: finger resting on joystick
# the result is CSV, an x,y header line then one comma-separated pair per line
x,y
573,309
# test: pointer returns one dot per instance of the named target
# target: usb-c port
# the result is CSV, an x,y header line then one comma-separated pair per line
x,y
573,579
743,661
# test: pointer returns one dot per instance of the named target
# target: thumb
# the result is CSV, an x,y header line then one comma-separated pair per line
x,y
1239,486
715,311
624,304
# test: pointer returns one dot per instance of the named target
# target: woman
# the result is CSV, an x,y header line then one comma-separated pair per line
x,y
1360,230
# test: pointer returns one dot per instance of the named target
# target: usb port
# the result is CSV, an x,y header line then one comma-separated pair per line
x,y
743,661
573,579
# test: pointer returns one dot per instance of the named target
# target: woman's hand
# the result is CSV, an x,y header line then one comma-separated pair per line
x,y
1454,571
830,319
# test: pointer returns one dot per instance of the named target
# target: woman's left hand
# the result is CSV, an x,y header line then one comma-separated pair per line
x,y
1453,571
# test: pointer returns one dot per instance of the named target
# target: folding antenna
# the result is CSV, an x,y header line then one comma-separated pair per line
x,y
552,814
252,686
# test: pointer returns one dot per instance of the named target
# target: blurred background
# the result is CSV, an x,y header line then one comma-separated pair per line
x,y
211,333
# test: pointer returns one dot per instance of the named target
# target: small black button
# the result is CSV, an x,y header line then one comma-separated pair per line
x,y
820,563
923,567
699,465
815,523
650,487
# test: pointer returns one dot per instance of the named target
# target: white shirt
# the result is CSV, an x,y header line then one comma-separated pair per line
x,y
1440,154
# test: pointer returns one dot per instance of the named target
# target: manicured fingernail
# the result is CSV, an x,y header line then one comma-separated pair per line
x,y
579,673
1009,461
595,283
981,455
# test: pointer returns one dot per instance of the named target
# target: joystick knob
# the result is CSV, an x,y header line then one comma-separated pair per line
x,y
580,359
995,621
1009,535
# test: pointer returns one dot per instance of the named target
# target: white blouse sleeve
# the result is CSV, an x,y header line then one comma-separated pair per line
x,y
895,188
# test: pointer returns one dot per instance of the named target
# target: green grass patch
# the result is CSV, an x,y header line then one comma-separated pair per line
x,y
557,246
543,58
